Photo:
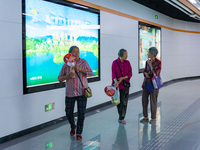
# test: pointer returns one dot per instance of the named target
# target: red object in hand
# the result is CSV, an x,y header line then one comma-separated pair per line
x,y
69,58
109,90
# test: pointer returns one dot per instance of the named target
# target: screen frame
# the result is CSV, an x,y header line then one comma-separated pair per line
x,y
152,26
51,86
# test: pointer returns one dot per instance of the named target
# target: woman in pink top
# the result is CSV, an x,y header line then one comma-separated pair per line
x,y
122,70
74,91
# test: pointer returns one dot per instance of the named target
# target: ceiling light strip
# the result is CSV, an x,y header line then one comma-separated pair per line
x,y
181,9
189,5
81,2
183,6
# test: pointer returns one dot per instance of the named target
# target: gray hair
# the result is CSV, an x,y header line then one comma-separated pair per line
x,y
121,52
153,50
71,48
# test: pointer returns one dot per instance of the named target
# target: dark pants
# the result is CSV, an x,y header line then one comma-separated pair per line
x,y
153,102
122,107
81,107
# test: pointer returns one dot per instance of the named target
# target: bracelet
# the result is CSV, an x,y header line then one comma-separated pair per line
x,y
79,69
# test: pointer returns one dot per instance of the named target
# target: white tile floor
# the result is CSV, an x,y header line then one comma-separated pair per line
x,y
179,101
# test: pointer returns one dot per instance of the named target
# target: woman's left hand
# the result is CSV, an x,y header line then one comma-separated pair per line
x,y
75,68
121,78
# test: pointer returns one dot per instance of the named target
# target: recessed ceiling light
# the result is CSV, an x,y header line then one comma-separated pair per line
x,y
193,1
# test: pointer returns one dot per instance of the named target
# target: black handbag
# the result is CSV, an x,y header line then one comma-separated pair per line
x,y
124,82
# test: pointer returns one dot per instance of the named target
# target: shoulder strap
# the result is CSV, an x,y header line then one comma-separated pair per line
x,y
79,78
119,68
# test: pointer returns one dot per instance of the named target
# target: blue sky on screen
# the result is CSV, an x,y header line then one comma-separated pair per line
x,y
45,18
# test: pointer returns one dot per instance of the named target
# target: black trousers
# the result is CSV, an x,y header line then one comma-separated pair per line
x,y
122,107
81,107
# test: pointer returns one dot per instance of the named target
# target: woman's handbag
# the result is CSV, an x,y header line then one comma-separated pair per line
x,y
149,87
113,92
116,97
87,91
157,81
124,82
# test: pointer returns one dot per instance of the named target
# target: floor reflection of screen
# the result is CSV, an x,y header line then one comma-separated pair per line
x,y
149,36
148,131
92,144
50,29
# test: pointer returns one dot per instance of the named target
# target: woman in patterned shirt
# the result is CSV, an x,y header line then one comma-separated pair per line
x,y
153,65
75,91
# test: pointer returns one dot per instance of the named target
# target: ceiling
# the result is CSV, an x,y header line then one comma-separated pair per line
x,y
167,9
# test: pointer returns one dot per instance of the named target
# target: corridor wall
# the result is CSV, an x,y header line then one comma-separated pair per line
x,y
180,51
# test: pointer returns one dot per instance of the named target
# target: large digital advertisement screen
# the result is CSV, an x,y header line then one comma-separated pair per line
x,y
149,36
50,28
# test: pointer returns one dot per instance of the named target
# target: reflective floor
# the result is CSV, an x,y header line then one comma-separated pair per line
x,y
177,126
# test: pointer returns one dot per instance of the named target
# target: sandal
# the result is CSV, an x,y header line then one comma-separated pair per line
x,y
122,121
73,131
152,121
144,120
78,137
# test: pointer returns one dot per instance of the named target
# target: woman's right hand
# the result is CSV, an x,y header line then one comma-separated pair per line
x,y
116,84
71,74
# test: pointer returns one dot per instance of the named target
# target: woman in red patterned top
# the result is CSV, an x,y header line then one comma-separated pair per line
x,y
74,91
153,65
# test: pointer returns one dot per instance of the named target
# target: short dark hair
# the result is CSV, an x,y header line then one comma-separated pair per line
x,y
71,48
121,52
